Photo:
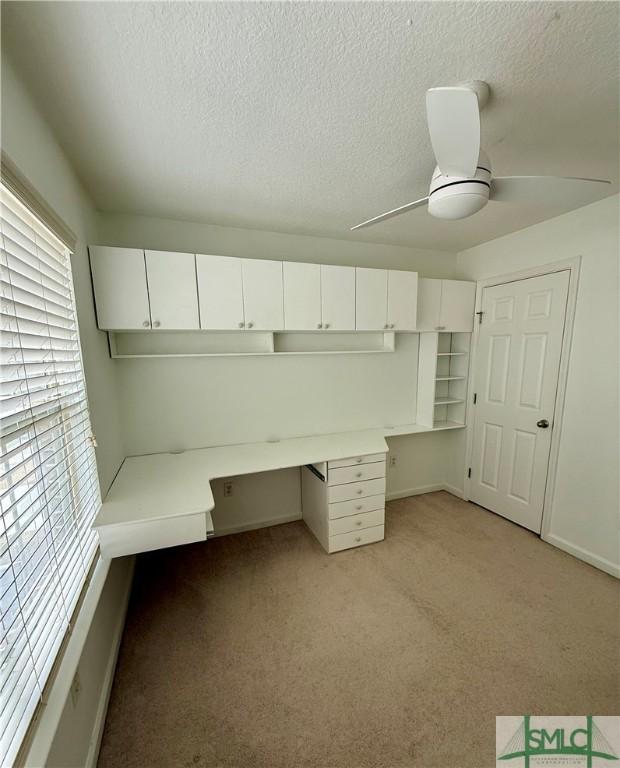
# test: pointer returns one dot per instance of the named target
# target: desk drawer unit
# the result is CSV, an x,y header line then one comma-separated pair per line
x,y
356,538
344,475
356,522
356,490
347,508
370,459
355,506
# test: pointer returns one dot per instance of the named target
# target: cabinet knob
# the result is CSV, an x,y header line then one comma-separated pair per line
x,y
146,324
440,327
250,325
360,491
359,460
386,326
241,325
358,522
358,507
156,324
392,325
358,474
319,325
358,539
327,325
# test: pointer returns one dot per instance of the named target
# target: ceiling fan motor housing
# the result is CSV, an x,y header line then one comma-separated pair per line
x,y
456,197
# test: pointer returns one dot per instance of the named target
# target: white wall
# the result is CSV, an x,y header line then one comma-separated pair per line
x,y
585,515
27,140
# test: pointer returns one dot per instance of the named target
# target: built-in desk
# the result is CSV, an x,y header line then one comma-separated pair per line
x,y
165,499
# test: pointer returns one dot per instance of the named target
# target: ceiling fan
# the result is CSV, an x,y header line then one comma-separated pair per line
x,y
463,182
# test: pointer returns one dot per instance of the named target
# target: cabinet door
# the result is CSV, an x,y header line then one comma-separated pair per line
x,y
402,300
338,297
119,281
262,294
457,305
220,292
302,296
173,294
370,299
429,304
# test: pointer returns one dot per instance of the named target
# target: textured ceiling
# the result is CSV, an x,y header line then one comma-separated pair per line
x,y
310,117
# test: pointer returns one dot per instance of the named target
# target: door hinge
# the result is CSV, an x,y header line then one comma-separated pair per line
x,y
480,317
469,472
475,397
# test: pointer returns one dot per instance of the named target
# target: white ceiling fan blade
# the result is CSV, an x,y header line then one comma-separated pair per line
x,y
453,116
393,212
552,190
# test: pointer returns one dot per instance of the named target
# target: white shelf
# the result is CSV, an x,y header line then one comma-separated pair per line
x,y
448,400
415,429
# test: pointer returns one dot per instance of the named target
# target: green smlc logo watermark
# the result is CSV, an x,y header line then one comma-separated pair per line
x,y
587,742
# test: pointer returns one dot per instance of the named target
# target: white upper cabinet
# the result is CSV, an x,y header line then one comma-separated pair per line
x,y
446,305
302,296
338,298
220,292
119,281
429,304
402,300
371,299
458,298
262,294
171,279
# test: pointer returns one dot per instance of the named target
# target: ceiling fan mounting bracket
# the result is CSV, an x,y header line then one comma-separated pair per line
x,y
480,88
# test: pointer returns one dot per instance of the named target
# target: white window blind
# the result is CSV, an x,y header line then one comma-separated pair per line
x,y
49,493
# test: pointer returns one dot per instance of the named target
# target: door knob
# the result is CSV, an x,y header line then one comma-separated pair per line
x,y
543,423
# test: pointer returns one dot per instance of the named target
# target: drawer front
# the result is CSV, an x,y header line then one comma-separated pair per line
x,y
355,506
356,474
356,522
356,538
353,460
356,490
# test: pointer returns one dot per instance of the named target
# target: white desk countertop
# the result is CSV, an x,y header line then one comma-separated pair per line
x,y
167,485
165,499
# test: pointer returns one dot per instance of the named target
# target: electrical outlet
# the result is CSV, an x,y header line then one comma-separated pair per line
x,y
76,688
228,488
392,461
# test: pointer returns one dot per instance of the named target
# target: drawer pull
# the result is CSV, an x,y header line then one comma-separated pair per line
x,y
358,539
358,522
359,474
359,506
359,461
360,491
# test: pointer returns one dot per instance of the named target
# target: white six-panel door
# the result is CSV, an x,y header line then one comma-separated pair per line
x,y
220,292
516,377
171,280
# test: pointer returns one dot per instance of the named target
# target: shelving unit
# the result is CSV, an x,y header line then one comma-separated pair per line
x,y
442,379
167,344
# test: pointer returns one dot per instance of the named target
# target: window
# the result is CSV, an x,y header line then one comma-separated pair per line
x,y
49,492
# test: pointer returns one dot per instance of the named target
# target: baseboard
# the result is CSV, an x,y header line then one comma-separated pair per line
x,y
413,491
583,554
458,492
106,688
257,525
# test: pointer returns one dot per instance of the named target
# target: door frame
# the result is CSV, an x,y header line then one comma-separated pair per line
x,y
573,266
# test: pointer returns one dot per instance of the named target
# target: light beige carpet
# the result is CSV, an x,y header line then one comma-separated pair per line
x,y
261,650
